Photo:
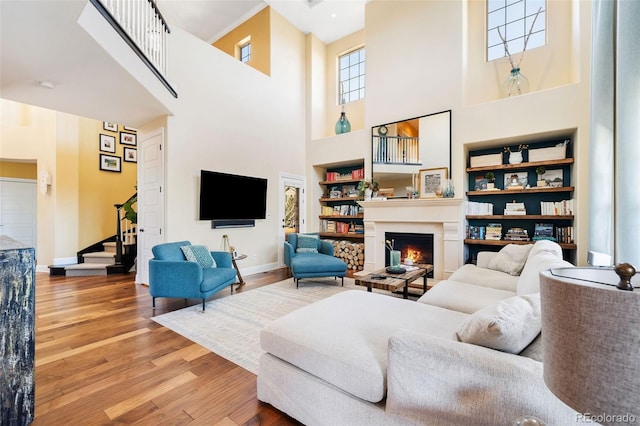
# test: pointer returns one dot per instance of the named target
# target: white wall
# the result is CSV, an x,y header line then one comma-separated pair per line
x,y
234,119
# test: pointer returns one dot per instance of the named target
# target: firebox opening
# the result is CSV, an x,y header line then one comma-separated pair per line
x,y
416,247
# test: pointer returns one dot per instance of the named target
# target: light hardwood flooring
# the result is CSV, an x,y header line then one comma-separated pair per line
x,y
101,360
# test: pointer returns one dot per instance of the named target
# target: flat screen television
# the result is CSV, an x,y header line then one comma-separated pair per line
x,y
249,200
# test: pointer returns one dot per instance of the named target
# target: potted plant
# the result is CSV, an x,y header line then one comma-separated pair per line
x,y
366,188
491,180
540,171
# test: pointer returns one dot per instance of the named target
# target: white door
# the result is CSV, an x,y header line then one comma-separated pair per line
x,y
150,199
292,208
18,210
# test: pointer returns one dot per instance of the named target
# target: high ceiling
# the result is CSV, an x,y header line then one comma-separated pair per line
x,y
208,20
40,40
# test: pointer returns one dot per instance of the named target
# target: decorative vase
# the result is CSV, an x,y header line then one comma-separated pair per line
x,y
343,125
516,84
368,192
394,258
448,189
515,157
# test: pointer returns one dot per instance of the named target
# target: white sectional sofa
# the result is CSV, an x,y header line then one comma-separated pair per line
x,y
467,352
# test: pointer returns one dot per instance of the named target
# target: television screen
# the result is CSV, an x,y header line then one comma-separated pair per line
x,y
249,200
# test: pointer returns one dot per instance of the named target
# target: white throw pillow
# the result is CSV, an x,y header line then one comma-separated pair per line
x,y
508,326
510,259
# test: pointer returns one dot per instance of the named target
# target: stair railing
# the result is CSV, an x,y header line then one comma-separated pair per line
x,y
128,233
142,27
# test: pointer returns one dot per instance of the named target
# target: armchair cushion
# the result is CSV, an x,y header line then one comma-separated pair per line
x,y
308,243
199,254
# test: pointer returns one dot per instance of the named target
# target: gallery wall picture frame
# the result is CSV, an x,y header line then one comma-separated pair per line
x,y
431,181
110,163
112,127
130,155
127,138
107,143
131,129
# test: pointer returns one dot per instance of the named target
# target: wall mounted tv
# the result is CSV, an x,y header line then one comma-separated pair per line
x,y
248,203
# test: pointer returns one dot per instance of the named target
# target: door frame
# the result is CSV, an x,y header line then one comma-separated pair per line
x,y
288,179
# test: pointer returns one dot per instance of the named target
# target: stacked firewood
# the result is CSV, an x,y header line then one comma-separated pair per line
x,y
351,253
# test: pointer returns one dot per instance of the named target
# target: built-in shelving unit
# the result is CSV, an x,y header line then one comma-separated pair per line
x,y
557,195
340,196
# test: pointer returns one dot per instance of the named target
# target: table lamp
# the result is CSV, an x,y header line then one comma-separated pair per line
x,y
591,342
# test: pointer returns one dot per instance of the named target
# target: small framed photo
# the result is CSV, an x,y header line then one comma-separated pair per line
x,y
112,127
107,143
110,163
516,180
130,155
131,129
554,178
128,138
432,181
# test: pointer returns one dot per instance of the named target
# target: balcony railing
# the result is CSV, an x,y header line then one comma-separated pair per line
x,y
396,150
141,25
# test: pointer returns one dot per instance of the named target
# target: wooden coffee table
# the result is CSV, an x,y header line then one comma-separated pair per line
x,y
383,280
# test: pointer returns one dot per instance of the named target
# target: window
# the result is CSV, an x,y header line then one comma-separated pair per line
x,y
245,52
351,76
515,19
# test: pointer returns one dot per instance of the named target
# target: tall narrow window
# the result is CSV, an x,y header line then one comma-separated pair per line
x,y
351,76
514,19
245,52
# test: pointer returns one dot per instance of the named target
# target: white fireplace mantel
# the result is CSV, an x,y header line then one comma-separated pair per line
x,y
442,217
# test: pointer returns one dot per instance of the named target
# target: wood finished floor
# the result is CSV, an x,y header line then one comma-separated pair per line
x,y
101,360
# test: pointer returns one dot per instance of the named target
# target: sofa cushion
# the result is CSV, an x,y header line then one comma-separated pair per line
x,y
307,243
484,277
543,256
510,259
169,251
213,278
509,325
343,339
463,297
200,255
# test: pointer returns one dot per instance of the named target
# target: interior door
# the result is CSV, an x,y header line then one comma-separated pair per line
x,y
150,200
18,210
292,202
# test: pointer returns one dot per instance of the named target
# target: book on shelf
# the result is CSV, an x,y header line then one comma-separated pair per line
x,y
357,173
493,231
331,176
517,234
515,209
477,208
564,234
327,211
475,232
557,208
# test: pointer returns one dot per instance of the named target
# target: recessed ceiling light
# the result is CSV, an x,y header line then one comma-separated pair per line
x,y
45,83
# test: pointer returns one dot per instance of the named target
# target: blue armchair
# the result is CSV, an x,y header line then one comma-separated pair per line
x,y
172,275
307,256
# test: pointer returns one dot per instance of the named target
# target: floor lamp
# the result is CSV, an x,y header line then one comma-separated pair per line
x,y
591,342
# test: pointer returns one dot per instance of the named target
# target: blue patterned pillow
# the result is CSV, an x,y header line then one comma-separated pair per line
x,y
307,243
199,254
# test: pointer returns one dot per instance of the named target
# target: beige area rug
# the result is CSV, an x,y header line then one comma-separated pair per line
x,y
230,326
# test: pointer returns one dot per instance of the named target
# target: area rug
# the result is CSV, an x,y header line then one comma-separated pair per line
x,y
230,326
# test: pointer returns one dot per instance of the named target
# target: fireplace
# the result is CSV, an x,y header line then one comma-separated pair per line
x,y
418,247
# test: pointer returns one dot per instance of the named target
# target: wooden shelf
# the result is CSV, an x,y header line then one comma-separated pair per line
x,y
351,235
506,242
520,216
339,199
338,217
533,190
522,166
339,182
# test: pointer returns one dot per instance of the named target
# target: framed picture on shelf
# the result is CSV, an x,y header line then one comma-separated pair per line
x,y
107,143
130,155
110,163
112,127
431,182
128,138
554,178
516,180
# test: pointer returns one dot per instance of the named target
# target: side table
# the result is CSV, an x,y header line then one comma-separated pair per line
x,y
235,265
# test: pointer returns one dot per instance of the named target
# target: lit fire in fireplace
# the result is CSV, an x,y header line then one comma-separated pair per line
x,y
414,256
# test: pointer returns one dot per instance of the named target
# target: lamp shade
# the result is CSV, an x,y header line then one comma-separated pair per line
x,y
591,345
